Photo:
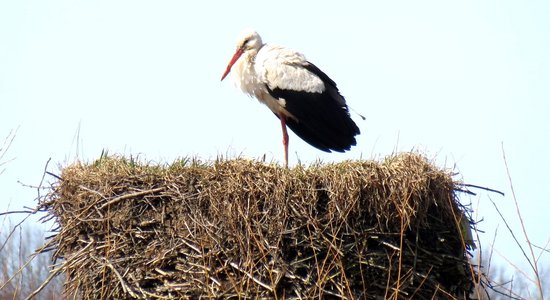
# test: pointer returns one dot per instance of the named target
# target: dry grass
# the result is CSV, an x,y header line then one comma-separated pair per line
x,y
247,229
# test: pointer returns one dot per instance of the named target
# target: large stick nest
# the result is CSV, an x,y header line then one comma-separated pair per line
x,y
247,229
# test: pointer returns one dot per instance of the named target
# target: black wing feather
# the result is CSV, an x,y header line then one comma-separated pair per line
x,y
322,119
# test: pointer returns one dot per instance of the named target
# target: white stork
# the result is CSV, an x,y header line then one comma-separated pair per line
x,y
302,96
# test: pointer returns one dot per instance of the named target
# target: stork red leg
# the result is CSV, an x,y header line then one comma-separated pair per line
x,y
285,137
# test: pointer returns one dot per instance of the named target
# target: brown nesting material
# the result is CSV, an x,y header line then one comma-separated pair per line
x,y
248,229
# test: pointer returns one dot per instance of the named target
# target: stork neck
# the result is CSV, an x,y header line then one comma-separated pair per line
x,y
251,53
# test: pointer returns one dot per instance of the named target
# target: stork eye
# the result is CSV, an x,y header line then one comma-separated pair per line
x,y
245,43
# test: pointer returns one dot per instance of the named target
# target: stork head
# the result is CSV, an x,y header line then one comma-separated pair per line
x,y
249,40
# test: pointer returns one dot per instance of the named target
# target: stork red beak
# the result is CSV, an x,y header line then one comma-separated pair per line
x,y
235,57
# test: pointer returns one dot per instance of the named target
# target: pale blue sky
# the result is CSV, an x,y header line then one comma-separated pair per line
x,y
455,80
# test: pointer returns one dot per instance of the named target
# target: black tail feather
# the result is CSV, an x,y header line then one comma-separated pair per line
x,y
320,120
